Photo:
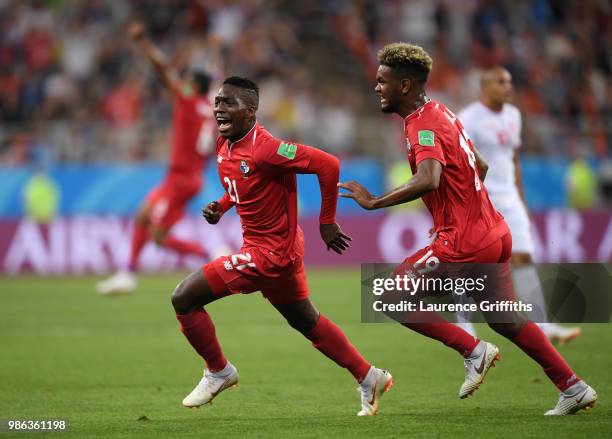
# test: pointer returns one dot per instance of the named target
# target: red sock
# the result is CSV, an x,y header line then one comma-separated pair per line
x,y
140,236
331,341
534,343
183,246
440,329
200,331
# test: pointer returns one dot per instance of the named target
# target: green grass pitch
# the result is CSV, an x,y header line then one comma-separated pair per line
x,y
118,367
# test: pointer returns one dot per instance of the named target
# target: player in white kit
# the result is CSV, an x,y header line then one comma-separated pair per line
x,y
494,126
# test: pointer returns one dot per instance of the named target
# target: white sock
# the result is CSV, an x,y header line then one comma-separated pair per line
x,y
574,389
229,368
369,376
478,350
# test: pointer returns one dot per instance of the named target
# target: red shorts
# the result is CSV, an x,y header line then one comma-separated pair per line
x,y
499,251
250,271
492,261
167,202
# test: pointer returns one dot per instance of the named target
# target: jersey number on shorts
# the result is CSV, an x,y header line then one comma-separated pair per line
x,y
231,190
242,261
427,263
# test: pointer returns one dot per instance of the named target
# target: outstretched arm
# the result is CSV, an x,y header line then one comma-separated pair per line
x,y
156,57
426,179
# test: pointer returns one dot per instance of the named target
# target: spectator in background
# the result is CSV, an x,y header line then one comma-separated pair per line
x,y
581,185
122,108
61,61
41,198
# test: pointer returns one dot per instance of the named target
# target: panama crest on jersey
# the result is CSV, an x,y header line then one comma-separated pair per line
x,y
244,168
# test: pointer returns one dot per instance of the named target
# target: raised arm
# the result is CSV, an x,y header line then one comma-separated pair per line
x,y
426,179
156,57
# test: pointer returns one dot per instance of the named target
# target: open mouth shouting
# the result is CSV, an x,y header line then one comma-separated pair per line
x,y
224,123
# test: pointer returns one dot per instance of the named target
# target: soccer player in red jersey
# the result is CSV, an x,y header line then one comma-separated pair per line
x,y
258,172
193,131
447,174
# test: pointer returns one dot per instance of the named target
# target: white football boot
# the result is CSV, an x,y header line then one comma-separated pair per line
x,y
559,334
211,385
376,382
578,397
119,283
476,367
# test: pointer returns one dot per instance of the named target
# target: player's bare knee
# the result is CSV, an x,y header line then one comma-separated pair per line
x,y
301,316
180,298
141,219
508,330
192,293
142,216
303,325
158,235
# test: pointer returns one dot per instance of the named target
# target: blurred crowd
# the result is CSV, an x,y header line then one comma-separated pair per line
x,y
73,88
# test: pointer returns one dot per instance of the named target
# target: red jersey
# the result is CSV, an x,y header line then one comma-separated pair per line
x,y
193,131
462,212
258,173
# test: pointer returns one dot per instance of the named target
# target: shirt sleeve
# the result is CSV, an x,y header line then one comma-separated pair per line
x,y
426,144
302,159
327,168
282,156
226,202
